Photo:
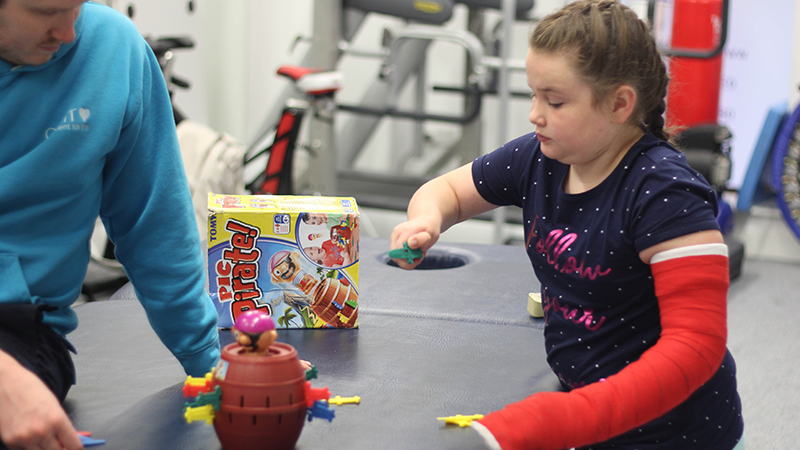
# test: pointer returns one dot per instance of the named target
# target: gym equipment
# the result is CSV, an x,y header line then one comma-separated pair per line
x,y
785,175
403,59
757,185
699,32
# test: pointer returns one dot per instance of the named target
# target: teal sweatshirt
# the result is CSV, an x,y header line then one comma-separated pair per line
x,y
91,132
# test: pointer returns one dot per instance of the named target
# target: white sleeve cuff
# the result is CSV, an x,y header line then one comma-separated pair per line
x,y
692,250
487,436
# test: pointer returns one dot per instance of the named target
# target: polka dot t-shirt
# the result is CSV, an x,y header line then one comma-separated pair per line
x,y
601,312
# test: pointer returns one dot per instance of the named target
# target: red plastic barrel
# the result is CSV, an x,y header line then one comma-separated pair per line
x,y
263,399
331,303
693,96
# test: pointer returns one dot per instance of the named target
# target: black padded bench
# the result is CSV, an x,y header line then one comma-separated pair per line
x,y
430,343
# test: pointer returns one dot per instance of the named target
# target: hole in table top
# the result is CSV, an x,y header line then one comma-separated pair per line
x,y
436,259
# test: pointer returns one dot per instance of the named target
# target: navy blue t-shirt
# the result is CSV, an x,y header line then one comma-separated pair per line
x,y
601,312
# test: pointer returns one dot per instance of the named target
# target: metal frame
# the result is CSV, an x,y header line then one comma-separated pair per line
x,y
331,152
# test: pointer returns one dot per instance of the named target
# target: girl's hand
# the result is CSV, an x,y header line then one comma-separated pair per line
x,y
436,206
420,233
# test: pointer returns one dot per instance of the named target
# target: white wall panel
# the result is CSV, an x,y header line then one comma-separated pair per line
x,y
756,72
176,17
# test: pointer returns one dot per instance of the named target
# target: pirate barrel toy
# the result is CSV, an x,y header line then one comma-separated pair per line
x,y
263,402
256,398
336,303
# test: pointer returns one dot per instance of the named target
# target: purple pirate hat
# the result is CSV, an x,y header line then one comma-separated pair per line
x,y
254,321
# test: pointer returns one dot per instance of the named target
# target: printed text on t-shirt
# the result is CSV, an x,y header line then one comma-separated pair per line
x,y
553,247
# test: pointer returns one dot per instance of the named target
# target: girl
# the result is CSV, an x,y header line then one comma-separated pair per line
x,y
618,228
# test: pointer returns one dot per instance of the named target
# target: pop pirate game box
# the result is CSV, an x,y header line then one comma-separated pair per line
x,y
294,257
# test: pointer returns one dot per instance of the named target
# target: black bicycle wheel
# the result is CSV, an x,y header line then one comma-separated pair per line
x,y
785,175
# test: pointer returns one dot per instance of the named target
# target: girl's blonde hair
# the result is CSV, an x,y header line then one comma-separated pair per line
x,y
612,47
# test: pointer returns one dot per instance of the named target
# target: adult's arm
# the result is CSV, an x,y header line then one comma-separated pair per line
x,y
147,210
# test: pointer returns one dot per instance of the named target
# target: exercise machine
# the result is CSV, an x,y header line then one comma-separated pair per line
x,y
403,59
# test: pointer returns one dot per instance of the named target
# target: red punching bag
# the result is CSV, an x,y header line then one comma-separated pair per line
x,y
693,96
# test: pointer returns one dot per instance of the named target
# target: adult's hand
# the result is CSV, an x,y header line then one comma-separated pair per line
x,y
31,417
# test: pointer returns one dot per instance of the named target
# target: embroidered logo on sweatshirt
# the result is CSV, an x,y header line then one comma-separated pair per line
x,y
76,119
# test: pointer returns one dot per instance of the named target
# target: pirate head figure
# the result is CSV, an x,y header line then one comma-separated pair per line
x,y
284,267
255,332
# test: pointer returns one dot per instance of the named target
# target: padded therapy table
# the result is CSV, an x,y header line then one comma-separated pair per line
x,y
430,343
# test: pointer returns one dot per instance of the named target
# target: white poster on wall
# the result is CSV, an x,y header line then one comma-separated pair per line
x,y
756,71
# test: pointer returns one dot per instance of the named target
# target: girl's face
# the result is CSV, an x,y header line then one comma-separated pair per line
x,y
570,127
316,254
316,218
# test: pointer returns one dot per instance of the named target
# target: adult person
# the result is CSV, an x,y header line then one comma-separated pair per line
x,y
86,128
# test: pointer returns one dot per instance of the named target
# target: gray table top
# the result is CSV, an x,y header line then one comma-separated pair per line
x,y
430,343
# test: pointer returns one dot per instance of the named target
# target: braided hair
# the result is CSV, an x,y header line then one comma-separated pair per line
x,y
612,47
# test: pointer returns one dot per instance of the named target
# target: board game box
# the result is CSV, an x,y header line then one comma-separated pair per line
x,y
295,257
